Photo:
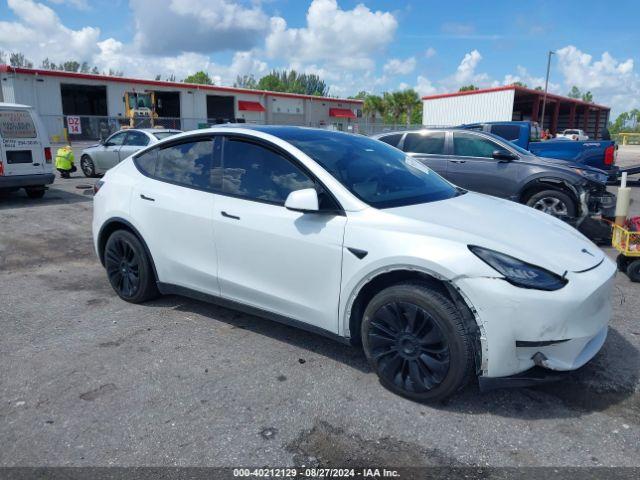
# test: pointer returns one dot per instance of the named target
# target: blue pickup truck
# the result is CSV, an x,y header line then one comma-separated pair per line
x,y
594,153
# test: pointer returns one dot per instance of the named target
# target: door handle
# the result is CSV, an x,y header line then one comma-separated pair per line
x,y
225,214
458,161
144,197
36,164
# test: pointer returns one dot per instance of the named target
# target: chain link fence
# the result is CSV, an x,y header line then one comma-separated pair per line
x,y
89,128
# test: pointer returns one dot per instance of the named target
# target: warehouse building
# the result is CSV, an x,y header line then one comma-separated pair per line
x,y
92,106
513,102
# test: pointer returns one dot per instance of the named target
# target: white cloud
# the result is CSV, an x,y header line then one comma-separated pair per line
x,y
40,33
115,55
346,38
529,80
424,86
430,52
395,66
201,26
612,82
466,71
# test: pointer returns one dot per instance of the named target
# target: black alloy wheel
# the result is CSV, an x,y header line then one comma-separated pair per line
x,y
419,342
408,346
123,267
128,268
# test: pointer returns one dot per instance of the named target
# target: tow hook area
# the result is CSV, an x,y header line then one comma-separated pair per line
x,y
540,360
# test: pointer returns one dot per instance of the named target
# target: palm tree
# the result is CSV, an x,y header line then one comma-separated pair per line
x,y
411,101
373,105
394,103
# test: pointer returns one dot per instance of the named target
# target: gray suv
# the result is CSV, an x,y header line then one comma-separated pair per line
x,y
486,163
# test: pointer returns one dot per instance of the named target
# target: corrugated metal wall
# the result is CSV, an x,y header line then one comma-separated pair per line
x,y
480,107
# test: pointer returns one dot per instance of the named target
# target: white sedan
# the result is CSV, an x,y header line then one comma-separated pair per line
x,y
347,236
97,159
573,134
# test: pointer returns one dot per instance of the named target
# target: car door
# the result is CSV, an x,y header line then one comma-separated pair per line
x,y
174,205
473,167
107,155
285,262
429,148
134,141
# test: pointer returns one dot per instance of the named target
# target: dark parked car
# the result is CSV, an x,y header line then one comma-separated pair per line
x,y
592,153
486,163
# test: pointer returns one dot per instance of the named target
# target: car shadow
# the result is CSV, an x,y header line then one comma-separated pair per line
x,y
325,346
53,196
606,384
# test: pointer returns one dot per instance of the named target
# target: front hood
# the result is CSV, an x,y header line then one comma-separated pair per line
x,y
563,164
506,227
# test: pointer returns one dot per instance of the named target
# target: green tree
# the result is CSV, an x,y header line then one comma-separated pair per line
x,y
468,88
200,77
539,88
246,81
519,84
95,71
18,59
293,82
373,105
71,66
410,101
574,92
587,97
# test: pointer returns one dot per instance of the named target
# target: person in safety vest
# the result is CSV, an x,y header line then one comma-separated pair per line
x,y
64,161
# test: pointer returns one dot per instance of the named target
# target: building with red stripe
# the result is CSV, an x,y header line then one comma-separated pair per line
x,y
513,102
99,99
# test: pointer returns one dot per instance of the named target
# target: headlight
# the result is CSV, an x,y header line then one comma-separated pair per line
x,y
591,175
519,273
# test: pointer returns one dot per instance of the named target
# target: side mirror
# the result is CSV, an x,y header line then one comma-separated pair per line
x,y
305,201
504,155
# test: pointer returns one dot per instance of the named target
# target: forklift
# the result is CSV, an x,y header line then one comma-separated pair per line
x,y
140,107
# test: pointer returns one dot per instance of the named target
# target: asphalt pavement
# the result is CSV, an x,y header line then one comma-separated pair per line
x,y
89,380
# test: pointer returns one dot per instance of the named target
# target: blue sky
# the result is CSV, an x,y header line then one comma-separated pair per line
x,y
373,45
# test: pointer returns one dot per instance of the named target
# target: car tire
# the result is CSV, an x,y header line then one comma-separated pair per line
x,y
633,271
129,268
88,167
554,202
35,192
622,262
417,342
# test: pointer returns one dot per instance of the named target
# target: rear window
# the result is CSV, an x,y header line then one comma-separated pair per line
x,y
508,132
392,140
426,143
161,135
17,124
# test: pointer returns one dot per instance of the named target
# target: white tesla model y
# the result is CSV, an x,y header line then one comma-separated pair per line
x,y
349,237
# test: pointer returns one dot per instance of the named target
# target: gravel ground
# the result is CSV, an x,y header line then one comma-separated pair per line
x,y
88,380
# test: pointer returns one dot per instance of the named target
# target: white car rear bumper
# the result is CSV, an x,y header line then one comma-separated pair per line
x,y
560,330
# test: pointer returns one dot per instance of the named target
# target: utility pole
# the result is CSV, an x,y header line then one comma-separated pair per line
x,y
546,86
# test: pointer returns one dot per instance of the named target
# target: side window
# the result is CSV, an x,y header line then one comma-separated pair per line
x,y
469,145
392,140
116,139
137,139
257,173
146,162
431,143
188,164
508,132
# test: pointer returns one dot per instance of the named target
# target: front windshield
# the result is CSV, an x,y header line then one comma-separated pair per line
x,y
376,173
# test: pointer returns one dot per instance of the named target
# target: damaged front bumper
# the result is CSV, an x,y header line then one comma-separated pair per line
x,y
522,328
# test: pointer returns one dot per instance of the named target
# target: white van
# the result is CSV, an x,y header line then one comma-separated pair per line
x,y
25,152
